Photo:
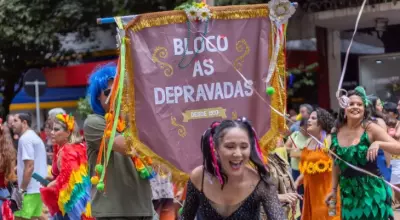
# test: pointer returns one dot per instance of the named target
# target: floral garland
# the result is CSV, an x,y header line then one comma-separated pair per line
x,y
197,11
68,120
320,166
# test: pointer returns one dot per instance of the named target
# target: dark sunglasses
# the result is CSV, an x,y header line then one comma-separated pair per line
x,y
107,92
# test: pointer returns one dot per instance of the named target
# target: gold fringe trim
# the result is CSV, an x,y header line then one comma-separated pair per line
x,y
278,101
128,106
178,16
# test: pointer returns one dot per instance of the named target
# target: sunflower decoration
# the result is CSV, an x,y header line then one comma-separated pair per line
x,y
321,166
311,168
302,166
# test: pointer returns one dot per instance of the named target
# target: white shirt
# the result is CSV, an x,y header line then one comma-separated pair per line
x,y
31,147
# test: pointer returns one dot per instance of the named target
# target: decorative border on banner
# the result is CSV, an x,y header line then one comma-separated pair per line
x,y
278,100
128,107
179,16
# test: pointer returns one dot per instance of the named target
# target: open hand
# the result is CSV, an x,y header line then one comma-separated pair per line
x,y
289,198
330,196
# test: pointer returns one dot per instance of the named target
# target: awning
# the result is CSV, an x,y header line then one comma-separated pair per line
x,y
53,97
69,76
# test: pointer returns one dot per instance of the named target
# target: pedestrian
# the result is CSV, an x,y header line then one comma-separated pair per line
x,y
225,187
7,163
316,168
357,141
128,196
60,195
31,158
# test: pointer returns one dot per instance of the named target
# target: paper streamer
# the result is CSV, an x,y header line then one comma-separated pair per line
x,y
287,118
342,98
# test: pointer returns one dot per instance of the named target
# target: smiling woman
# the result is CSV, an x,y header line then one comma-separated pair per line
x,y
357,142
231,190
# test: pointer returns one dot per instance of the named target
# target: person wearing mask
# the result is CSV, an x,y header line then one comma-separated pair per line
x,y
127,195
31,158
305,111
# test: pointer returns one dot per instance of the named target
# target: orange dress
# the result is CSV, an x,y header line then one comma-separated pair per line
x,y
316,166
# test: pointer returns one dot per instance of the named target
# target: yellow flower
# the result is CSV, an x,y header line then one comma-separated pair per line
x,y
302,167
310,168
200,5
204,14
321,166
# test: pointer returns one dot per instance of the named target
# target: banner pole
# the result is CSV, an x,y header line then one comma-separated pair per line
x,y
111,20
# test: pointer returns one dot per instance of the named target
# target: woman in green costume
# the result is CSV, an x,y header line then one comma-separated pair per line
x,y
357,141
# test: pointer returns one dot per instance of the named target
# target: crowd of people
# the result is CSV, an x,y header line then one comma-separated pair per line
x,y
329,166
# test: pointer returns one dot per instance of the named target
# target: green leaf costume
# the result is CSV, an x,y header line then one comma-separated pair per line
x,y
363,197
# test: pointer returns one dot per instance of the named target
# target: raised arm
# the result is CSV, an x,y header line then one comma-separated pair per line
x,y
381,139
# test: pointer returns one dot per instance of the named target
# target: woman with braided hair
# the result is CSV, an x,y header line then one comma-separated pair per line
x,y
225,187
357,141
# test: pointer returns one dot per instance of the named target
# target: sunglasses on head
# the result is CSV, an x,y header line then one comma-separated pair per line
x,y
107,92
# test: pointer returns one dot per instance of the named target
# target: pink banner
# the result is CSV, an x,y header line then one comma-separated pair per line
x,y
180,91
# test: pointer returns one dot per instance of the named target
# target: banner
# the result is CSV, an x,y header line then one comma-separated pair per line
x,y
182,75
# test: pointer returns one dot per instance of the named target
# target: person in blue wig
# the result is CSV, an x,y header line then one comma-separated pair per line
x,y
126,195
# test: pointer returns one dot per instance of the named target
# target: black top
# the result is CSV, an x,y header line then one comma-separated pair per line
x,y
265,194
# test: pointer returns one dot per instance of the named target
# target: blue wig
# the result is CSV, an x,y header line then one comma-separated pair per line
x,y
98,82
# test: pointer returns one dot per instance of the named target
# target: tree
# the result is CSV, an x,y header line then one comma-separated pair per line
x,y
30,33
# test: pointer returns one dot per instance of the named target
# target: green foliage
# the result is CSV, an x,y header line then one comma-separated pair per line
x,y
84,108
304,77
30,32
185,5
